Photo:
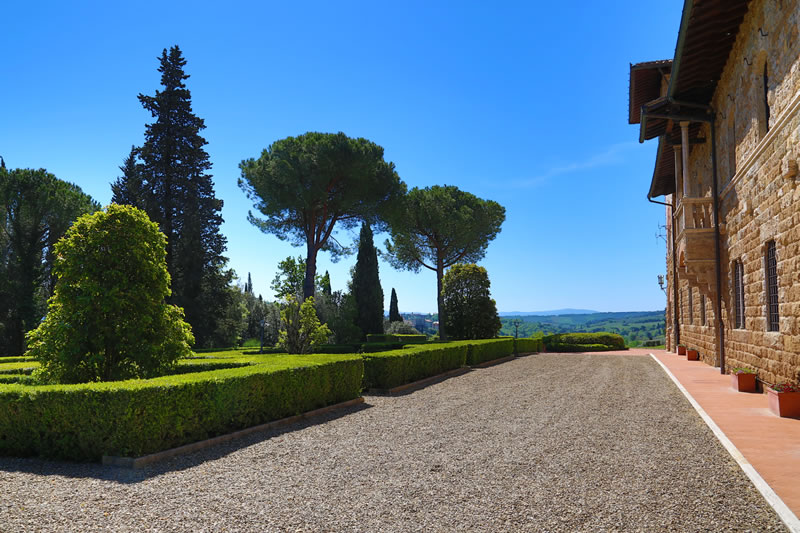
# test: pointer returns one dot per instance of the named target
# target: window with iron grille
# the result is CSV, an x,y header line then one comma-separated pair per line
x,y
691,306
703,308
738,294
771,264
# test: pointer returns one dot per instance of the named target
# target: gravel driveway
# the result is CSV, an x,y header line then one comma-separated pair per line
x,y
543,443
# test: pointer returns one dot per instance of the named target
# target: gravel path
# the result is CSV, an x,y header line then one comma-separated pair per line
x,y
542,443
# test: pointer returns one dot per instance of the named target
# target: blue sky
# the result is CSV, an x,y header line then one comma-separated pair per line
x,y
524,103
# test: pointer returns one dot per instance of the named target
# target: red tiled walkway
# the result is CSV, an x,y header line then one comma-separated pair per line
x,y
769,443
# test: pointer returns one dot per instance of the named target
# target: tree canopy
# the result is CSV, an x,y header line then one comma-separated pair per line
x,y
438,227
470,310
308,186
168,177
108,319
37,209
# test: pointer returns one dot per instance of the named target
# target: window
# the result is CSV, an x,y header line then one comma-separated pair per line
x,y
738,294
691,306
771,275
703,309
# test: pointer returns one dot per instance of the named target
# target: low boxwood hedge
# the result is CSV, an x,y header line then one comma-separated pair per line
x,y
132,418
564,348
484,350
386,370
527,345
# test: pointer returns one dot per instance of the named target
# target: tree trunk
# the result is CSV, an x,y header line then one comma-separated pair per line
x,y
311,271
440,299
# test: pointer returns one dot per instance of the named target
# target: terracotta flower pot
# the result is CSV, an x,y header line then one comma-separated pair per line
x,y
785,404
681,350
692,355
743,382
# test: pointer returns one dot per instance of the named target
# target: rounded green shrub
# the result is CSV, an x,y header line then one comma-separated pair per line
x,y
108,319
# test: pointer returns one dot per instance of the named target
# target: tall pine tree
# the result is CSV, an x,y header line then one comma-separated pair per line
x,y
394,311
366,286
168,176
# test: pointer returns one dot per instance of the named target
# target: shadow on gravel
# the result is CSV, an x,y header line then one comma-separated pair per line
x,y
49,467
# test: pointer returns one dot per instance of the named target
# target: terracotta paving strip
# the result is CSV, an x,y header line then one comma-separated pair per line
x,y
769,443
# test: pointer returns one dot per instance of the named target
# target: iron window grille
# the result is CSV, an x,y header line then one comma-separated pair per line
x,y
738,294
771,264
703,309
691,306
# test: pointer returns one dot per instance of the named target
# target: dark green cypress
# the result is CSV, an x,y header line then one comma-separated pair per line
x,y
394,311
177,192
366,287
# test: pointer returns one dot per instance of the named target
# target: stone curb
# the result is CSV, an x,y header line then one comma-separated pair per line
x,y
414,385
139,462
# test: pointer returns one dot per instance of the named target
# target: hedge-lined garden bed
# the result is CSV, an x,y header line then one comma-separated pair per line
x,y
137,417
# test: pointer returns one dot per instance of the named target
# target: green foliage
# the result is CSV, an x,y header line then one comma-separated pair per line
x,y
168,178
300,328
400,328
338,312
385,370
37,209
289,278
482,351
366,285
394,310
527,345
310,185
133,418
108,319
438,227
470,311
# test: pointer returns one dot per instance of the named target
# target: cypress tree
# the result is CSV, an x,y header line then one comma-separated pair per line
x,y
325,284
168,175
394,311
366,286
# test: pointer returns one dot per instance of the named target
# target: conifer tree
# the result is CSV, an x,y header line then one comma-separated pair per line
x,y
366,285
394,311
325,284
169,176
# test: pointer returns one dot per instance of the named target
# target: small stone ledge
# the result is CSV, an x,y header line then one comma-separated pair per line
x,y
139,462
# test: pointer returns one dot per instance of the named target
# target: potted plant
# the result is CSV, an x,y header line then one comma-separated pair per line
x,y
681,349
784,400
692,355
743,379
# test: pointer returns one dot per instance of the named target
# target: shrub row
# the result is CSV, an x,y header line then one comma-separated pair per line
x,y
528,345
611,341
386,370
132,418
565,348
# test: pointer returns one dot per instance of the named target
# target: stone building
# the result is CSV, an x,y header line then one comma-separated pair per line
x,y
725,113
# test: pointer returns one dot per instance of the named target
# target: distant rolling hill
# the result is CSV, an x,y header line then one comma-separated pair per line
x,y
636,327
550,313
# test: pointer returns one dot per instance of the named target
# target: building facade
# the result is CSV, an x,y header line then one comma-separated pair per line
x,y
726,113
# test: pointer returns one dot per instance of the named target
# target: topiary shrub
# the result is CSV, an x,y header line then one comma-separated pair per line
x,y
470,311
300,327
107,319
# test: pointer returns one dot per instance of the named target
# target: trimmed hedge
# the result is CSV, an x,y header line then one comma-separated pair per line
x,y
485,350
385,370
584,342
528,345
137,417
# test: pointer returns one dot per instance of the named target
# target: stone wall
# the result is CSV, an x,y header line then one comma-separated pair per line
x,y
759,192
